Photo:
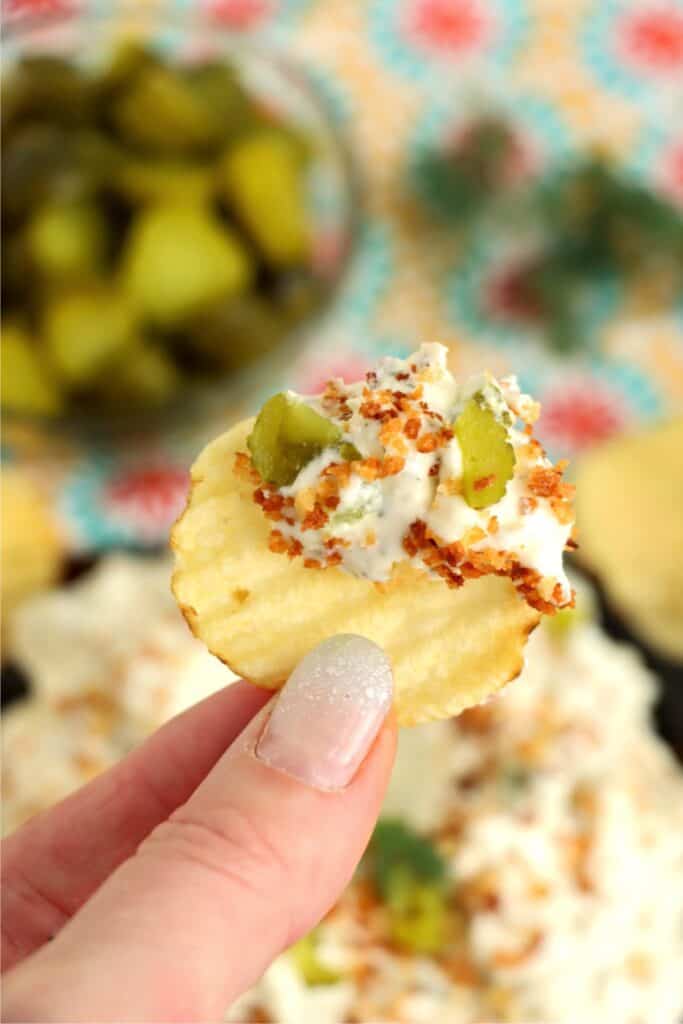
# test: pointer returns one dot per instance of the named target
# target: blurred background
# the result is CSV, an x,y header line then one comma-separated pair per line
x,y
205,202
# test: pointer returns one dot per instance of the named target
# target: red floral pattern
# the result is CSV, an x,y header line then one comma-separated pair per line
x,y
451,26
509,296
241,14
37,8
653,39
148,499
579,414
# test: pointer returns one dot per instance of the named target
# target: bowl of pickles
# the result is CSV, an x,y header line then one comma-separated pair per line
x,y
178,210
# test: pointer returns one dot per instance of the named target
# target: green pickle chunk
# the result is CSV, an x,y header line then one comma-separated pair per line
x,y
488,457
162,113
26,382
67,240
238,330
303,425
311,968
410,876
147,181
180,259
349,452
286,436
145,376
44,88
86,330
417,912
262,179
560,625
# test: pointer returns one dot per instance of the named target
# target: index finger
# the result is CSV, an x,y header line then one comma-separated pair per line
x,y
54,863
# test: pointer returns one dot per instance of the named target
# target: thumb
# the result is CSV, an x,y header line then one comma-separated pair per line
x,y
254,859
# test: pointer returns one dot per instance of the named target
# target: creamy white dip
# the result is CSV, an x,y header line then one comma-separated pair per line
x,y
374,515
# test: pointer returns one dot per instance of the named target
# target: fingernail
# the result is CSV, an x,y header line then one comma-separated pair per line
x,y
329,712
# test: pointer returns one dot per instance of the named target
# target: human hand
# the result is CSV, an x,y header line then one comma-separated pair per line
x,y
169,883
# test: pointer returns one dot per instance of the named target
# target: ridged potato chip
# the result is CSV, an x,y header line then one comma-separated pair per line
x,y
32,550
261,612
629,501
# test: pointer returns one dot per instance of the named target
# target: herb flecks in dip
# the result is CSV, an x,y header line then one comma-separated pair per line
x,y
412,465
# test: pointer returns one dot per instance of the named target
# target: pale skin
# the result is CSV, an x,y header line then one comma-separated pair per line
x,y
161,890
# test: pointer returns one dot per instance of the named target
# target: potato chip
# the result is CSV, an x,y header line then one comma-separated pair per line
x,y
32,551
260,612
630,501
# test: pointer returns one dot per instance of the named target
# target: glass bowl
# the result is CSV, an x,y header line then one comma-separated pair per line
x,y
278,84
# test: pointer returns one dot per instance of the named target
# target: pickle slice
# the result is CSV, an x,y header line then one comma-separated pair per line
x,y
286,436
488,457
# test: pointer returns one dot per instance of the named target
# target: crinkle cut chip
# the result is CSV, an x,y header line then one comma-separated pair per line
x,y
260,612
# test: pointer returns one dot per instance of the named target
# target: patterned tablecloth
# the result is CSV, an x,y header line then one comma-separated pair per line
x,y
400,76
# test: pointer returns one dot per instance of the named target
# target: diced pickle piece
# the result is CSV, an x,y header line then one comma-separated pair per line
x,y
411,878
488,457
144,376
179,260
417,914
349,452
128,59
67,240
17,277
352,515
45,88
219,87
161,112
311,968
39,163
237,331
286,436
27,385
99,156
145,181
262,179
561,624
85,330
396,847
303,425
264,443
